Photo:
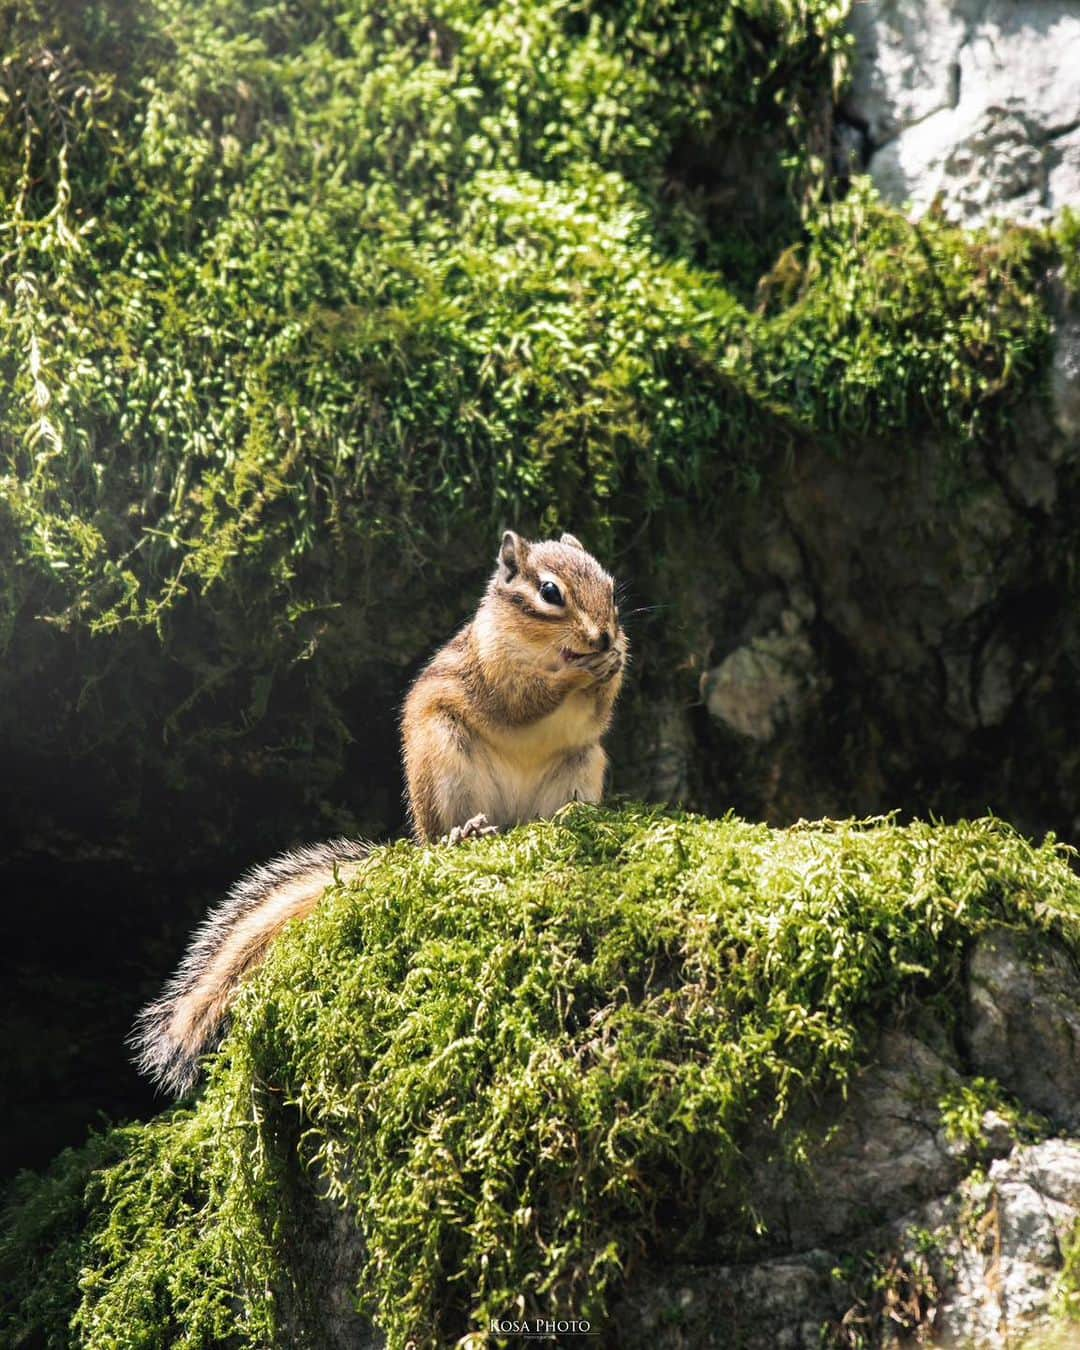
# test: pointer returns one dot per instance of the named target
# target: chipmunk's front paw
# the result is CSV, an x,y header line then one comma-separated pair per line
x,y
476,828
606,665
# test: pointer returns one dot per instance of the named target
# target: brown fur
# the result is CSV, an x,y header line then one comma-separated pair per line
x,y
500,723
244,947
504,722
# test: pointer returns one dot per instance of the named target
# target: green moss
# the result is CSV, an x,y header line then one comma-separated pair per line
x,y
1068,1287
164,1237
45,1227
883,323
333,277
1067,233
517,1065
300,308
964,1104
303,283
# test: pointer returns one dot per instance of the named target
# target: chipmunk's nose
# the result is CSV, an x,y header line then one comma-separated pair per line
x,y
605,640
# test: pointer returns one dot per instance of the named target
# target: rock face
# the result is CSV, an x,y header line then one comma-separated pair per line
x,y
905,1229
887,642
1003,1242
769,682
975,105
1024,1024
974,108
912,1230
874,638
974,1270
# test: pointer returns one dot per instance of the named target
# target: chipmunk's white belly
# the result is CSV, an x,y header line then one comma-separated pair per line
x,y
520,777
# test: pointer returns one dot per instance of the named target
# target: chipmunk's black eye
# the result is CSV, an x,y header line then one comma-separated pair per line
x,y
551,593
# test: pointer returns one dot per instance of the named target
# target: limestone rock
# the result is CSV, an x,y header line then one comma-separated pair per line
x,y
975,106
974,1269
1063,171
761,686
894,1238
1023,1022
1065,375
886,1153
997,1247
671,756
905,66
910,588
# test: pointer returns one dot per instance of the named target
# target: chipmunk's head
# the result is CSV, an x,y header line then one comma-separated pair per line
x,y
561,603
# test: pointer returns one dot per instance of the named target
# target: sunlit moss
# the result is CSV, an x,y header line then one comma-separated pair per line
x,y
880,322
299,283
302,305
1068,1288
516,1065
1068,240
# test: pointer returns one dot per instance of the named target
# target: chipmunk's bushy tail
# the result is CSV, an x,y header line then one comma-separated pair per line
x,y
171,1033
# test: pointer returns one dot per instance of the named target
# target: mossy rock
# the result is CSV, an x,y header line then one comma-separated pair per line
x,y
301,310
514,1069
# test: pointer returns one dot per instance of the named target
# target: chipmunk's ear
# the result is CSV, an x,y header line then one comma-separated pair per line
x,y
512,552
571,542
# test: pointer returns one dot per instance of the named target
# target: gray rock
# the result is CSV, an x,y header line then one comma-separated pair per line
x,y
1063,171
765,684
974,1269
997,1247
1030,475
317,1307
905,62
1065,375
893,1228
886,1151
908,578
1023,1022
975,106
771,1305
996,682
671,757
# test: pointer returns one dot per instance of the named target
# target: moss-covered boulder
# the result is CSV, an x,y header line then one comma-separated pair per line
x,y
500,1080
298,310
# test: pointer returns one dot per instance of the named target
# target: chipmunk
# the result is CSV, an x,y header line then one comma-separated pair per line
x,y
503,725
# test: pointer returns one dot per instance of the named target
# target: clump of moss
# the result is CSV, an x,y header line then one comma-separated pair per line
x,y
331,276
964,1105
519,1064
1067,1294
883,322
1067,234
362,275
46,1221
